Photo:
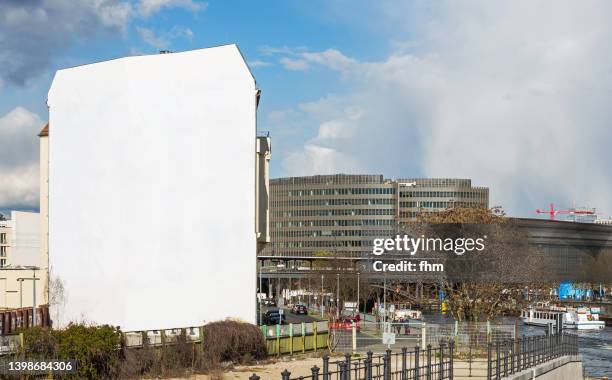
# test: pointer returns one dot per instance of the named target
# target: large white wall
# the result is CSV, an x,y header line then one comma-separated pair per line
x,y
152,189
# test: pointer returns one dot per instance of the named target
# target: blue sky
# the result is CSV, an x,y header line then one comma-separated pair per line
x,y
513,95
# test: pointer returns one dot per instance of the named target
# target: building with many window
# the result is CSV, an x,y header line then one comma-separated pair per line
x,y
19,240
344,213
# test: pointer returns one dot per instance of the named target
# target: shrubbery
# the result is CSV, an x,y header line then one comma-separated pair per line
x,y
95,348
101,354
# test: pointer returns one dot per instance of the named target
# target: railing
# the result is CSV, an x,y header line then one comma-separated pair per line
x,y
416,364
515,355
296,337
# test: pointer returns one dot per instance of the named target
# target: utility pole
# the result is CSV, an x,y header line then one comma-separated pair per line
x,y
34,298
321,301
358,293
260,292
337,295
385,300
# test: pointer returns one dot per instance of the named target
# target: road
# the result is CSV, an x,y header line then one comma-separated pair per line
x,y
293,318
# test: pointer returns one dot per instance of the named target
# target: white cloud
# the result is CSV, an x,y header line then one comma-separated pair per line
x,y
19,174
294,64
513,95
315,159
148,7
164,39
258,63
148,36
33,32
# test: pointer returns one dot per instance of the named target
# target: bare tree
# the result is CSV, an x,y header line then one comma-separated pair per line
x,y
480,285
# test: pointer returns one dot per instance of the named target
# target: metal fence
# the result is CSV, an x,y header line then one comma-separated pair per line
x,y
378,336
468,336
515,355
296,337
416,364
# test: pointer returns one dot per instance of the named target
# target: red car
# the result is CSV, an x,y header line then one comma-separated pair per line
x,y
346,323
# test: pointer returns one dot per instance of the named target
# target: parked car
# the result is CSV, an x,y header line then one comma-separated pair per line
x,y
274,317
299,309
270,302
346,323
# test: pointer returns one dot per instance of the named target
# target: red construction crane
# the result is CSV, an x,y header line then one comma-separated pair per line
x,y
572,211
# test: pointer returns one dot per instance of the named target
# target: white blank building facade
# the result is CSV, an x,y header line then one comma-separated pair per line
x,y
152,190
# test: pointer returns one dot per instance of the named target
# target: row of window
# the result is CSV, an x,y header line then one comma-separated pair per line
x,y
336,223
333,202
341,191
436,204
441,194
353,212
322,233
330,245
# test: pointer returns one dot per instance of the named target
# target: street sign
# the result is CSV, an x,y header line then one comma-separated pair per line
x,y
388,338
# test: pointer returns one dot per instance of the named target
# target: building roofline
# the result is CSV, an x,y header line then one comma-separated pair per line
x,y
44,131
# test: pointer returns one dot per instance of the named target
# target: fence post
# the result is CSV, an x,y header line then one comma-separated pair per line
x,y
489,361
506,344
326,367
291,339
303,337
451,349
369,357
354,336
416,362
429,362
497,361
441,364
368,369
387,366
285,374
254,377
404,349
315,372
314,338
278,349
342,370
347,358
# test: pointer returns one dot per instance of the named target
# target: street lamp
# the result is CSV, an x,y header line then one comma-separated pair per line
x,y
337,295
321,302
34,279
357,293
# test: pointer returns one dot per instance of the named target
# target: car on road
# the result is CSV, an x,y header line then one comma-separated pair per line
x,y
346,323
270,302
274,317
299,309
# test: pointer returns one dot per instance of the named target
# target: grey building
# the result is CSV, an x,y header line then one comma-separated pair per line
x,y
342,214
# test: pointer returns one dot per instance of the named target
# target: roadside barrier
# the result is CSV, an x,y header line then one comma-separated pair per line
x,y
515,355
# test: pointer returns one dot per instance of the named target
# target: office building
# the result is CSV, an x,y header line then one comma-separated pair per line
x,y
344,213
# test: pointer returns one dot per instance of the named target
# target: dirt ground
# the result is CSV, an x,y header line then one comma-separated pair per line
x,y
300,366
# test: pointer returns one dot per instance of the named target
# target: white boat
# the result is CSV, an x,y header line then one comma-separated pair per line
x,y
581,318
407,314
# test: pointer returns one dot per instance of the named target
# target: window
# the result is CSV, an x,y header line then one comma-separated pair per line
x,y
3,238
2,263
3,251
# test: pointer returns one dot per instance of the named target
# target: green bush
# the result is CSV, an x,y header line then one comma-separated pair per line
x,y
96,349
101,354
